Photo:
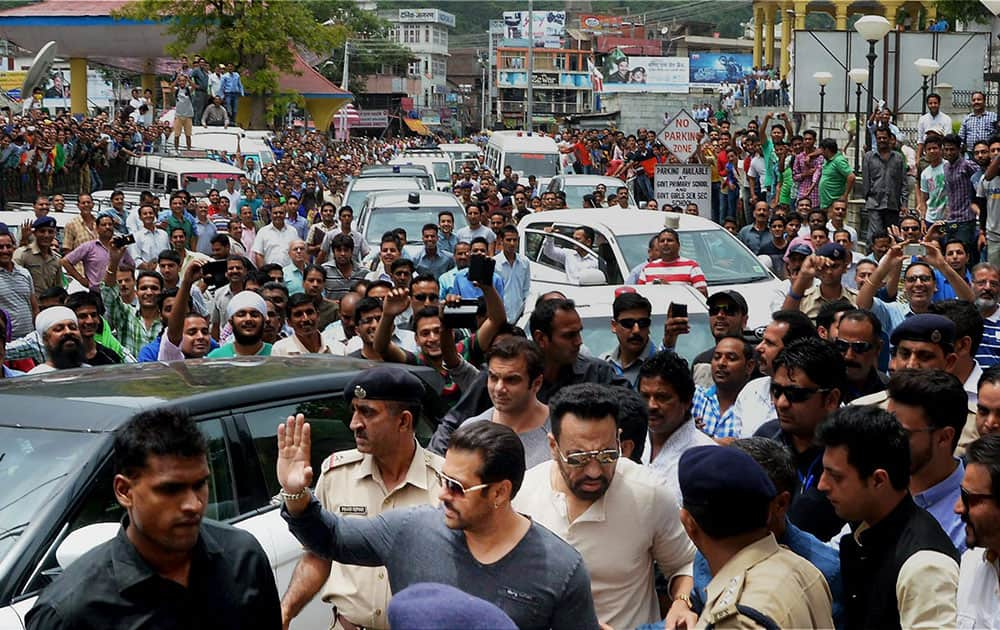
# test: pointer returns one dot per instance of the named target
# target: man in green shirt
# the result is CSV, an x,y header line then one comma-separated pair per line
x,y
777,134
837,179
246,313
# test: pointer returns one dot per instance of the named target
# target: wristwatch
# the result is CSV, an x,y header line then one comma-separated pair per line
x,y
288,496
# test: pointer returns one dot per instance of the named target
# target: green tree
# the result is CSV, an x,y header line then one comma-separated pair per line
x,y
964,10
255,36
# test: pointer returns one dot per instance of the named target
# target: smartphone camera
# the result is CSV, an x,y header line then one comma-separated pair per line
x,y
123,240
914,249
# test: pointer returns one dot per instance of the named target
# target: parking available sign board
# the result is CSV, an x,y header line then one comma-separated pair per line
x,y
680,136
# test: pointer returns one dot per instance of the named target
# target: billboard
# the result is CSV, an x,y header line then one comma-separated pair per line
x,y
549,26
623,73
711,69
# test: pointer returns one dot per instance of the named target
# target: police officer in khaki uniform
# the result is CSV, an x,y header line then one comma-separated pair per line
x,y
387,470
756,583
927,329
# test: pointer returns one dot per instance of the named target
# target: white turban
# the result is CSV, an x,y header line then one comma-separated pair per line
x,y
50,317
244,300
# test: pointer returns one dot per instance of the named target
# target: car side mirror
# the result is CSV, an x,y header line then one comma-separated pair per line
x,y
80,541
592,277
766,261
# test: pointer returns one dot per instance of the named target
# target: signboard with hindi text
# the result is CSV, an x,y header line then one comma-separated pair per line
x,y
681,136
681,184
372,118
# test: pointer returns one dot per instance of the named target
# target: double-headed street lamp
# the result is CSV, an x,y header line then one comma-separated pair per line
x,y
926,68
822,78
872,28
859,76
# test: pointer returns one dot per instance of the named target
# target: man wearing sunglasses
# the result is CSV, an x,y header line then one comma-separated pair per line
x,y
727,312
858,338
979,507
806,386
630,321
586,473
475,541
387,470
899,567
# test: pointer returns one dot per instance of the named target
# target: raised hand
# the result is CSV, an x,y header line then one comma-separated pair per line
x,y
397,301
295,472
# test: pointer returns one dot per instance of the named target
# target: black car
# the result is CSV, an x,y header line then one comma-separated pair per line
x,y
56,436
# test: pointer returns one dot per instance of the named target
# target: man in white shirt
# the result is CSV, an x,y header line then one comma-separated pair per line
x,y
272,241
588,494
231,193
578,260
473,213
933,118
979,506
59,331
303,316
149,240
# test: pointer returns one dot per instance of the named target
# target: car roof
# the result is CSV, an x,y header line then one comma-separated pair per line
x,y
386,183
596,301
392,170
104,397
532,143
14,218
185,165
620,221
400,199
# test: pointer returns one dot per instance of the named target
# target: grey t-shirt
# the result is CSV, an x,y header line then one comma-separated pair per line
x,y
541,583
536,442
991,190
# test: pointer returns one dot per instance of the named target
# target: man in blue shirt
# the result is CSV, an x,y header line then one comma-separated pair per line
x,y
776,460
463,286
431,260
515,271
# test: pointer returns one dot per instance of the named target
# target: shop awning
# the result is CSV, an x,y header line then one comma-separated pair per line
x,y
416,126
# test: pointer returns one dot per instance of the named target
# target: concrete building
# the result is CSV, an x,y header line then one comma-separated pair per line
x,y
425,33
560,79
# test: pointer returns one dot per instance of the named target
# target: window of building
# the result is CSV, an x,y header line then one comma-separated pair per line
x,y
411,34
560,62
413,68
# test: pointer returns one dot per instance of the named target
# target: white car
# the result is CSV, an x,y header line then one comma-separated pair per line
x,y
409,209
622,241
576,186
359,187
594,306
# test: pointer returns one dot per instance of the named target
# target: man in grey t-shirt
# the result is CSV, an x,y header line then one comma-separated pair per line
x,y
475,541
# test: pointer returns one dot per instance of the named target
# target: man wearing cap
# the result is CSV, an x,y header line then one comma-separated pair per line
x,y
899,567
588,494
387,470
246,313
41,258
829,264
57,327
756,583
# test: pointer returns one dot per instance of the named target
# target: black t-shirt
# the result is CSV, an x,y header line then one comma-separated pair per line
x,y
104,356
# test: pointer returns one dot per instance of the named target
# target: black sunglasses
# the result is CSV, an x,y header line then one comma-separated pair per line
x,y
969,497
629,322
722,309
793,393
859,347
455,486
426,297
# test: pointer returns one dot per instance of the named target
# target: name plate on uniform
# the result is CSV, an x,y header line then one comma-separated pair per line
x,y
353,509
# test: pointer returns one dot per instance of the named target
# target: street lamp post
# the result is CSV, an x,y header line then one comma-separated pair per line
x,y
926,68
872,28
859,76
822,78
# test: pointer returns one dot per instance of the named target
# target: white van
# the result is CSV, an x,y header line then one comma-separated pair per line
x,y
163,174
222,139
526,152
435,161
462,155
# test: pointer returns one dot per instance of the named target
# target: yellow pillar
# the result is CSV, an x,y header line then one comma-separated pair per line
x,y
931,13
769,34
149,83
800,15
786,40
891,12
841,16
758,36
78,85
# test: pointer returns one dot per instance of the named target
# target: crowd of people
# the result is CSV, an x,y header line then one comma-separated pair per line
x,y
841,469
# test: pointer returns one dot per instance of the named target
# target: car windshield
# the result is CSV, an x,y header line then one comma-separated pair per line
x,y
537,164
365,185
201,183
386,219
717,252
33,465
575,193
442,172
599,338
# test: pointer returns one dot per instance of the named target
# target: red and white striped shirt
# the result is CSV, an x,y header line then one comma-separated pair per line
x,y
679,271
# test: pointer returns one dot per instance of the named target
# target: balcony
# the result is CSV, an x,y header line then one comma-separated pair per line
x,y
518,107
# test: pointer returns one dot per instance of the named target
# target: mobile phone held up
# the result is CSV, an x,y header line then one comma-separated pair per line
x,y
214,273
461,315
481,269
914,249
123,240
677,310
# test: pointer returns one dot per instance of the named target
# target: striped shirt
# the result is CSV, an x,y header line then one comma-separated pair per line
x,y
705,407
988,354
16,290
679,271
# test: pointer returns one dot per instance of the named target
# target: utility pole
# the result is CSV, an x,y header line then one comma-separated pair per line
x,y
531,65
343,85
482,108
490,56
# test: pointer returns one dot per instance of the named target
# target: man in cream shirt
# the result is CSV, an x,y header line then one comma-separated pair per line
x,y
589,495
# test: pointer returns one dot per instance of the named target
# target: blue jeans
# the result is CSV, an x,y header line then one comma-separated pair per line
x,y
643,188
229,102
716,193
728,200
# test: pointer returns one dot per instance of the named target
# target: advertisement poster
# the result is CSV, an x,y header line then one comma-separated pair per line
x,y
549,27
711,69
624,73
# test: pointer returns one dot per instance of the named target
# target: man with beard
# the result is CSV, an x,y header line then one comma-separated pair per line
x,y
514,365
666,385
858,338
88,309
58,329
303,316
986,284
931,405
979,508
586,475
342,330
237,269
630,321
712,408
387,470
186,333
476,541
246,313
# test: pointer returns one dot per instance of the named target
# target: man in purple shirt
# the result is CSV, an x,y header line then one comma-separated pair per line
x,y
958,172
94,255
